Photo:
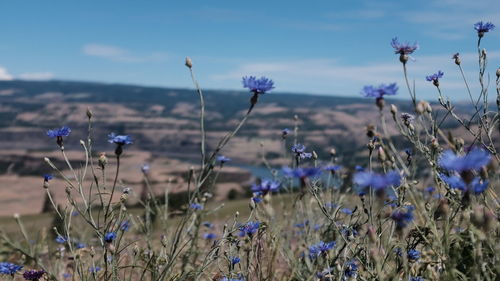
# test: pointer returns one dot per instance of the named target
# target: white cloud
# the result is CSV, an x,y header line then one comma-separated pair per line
x,y
4,74
36,76
118,54
328,76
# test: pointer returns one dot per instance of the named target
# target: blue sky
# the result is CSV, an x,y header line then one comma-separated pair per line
x,y
322,47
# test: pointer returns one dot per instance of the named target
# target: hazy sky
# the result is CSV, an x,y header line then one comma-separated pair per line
x,y
324,47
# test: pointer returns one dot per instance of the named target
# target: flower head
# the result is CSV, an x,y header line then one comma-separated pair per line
x,y
249,228
209,236
332,168
300,151
61,239
407,118
346,211
223,159
351,269
266,186
434,78
125,225
416,278
9,268
377,181
47,177
109,237
473,160
208,224
413,255
33,274
258,86
301,173
320,248
403,48
119,139
234,260
380,91
483,27
94,269
145,168
285,132
403,217
196,206
62,132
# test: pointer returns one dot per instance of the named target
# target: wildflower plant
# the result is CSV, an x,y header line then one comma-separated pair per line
x,y
421,206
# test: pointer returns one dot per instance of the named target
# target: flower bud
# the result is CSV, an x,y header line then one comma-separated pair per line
x,y
394,110
380,102
102,160
498,73
314,155
403,58
189,62
372,234
333,152
252,204
89,113
381,154
457,58
421,107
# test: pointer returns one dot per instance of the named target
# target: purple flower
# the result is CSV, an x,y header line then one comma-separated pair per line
x,y
351,269
196,206
94,269
33,274
416,278
61,239
119,139
377,181
109,237
223,159
407,117
473,160
403,217
346,211
266,186
249,228
332,168
413,255
209,236
8,268
258,86
300,151
208,224
234,260
301,173
285,132
380,91
483,27
434,78
320,248
125,226
47,177
302,224
403,48
145,168
62,132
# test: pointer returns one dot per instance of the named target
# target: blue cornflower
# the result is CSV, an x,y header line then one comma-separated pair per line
x,y
483,27
320,248
346,211
223,159
66,275
477,186
285,132
332,168
416,278
257,199
47,177
109,237
430,189
434,78
234,260
249,228
208,224
209,236
359,168
80,245
145,168
61,239
9,268
231,279
119,139
94,269
351,269
330,205
300,151
403,217
403,48
59,133
125,226
377,181
33,274
258,86
301,173
196,206
266,186
473,160
380,91
413,255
